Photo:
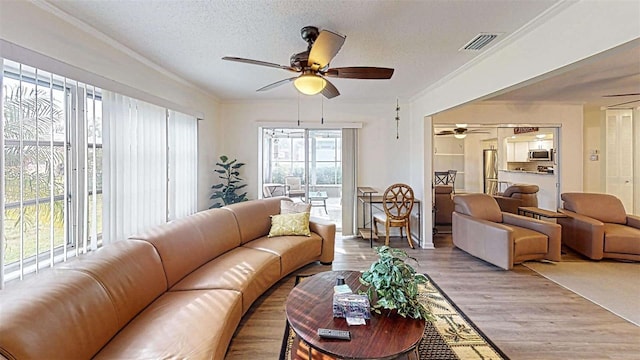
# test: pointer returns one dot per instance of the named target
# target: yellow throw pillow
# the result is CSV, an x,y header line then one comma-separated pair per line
x,y
290,224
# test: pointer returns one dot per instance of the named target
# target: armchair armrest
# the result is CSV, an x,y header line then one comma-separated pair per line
x,y
582,233
490,241
327,232
553,232
633,221
508,204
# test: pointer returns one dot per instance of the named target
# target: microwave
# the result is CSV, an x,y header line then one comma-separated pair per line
x,y
540,155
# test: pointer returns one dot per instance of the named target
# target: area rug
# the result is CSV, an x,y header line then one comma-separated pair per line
x,y
451,336
612,285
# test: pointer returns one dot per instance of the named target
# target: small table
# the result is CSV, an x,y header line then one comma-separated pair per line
x,y
536,212
309,306
317,196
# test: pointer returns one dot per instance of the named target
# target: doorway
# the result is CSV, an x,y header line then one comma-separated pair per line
x,y
305,165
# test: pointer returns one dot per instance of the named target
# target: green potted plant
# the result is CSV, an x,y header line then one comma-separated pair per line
x,y
393,284
225,192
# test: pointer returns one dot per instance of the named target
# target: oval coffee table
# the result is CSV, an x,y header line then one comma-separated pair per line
x,y
309,306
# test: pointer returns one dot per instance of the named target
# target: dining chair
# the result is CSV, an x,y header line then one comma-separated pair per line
x,y
397,203
451,179
440,177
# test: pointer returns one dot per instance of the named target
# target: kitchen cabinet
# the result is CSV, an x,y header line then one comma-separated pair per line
x,y
517,151
541,144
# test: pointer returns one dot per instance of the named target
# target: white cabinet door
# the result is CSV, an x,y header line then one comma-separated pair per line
x,y
511,152
521,151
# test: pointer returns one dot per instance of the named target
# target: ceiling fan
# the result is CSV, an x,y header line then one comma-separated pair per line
x,y
461,131
623,103
313,65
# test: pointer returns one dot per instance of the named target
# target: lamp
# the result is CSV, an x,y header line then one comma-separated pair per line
x,y
459,136
309,83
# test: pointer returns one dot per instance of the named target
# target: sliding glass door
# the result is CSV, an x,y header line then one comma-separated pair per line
x,y
306,165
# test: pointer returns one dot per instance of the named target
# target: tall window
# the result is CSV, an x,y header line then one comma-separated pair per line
x,y
53,165
52,169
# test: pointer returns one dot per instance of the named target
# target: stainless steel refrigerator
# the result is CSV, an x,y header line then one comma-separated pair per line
x,y
490,170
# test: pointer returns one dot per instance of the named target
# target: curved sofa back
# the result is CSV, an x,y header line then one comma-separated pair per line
x,y
254,217
188,243
72,311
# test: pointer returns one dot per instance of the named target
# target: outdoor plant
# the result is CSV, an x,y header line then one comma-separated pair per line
x,y
225,193
393,284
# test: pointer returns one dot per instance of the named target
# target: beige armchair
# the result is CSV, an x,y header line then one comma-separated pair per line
x,y
517,195
597,227
500,238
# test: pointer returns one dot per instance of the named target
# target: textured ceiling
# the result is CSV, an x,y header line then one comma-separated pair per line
x,y
419,39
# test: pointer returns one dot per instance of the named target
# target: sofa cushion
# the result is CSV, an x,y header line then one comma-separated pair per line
x,y
604,207
139,278
187,243
528,242
294,251
290,224
480,206
254,217
194,324
58,313
621,239
243,269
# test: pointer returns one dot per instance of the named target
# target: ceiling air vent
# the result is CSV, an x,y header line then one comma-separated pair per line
x,y
480,41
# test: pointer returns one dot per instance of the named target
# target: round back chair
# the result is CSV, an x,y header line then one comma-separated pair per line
x,y
397,203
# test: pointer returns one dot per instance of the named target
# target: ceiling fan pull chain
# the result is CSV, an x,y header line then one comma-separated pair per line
x,y
322,107
298,109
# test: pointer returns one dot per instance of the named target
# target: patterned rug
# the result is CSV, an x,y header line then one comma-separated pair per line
x,y
451,336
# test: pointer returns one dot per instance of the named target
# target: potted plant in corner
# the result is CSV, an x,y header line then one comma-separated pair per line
x,y
393,284
225,192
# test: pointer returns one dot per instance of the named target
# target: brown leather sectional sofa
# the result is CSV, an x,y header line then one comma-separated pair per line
x,y
175,292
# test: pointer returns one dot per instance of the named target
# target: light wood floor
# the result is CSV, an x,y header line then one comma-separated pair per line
x,y
524,314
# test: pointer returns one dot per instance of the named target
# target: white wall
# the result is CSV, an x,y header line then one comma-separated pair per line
x,y
594,170
75,51
382,159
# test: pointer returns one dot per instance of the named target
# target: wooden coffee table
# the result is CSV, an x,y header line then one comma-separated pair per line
x,y
309,306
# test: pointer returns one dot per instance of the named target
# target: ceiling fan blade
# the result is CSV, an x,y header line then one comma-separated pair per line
x,y
360,72
445,132
616,95
324,49
277,83
329,90
258,62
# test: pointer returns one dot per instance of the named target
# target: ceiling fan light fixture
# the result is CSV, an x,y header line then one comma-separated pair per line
x,y
459,136
461,125
309,84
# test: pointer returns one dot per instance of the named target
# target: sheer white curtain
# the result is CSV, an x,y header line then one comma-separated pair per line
x,y
135,166
183,167
349,181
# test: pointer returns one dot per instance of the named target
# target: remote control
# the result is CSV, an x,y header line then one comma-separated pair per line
x,y
334,334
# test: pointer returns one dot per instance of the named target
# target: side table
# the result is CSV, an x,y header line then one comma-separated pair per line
x,y
537,213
